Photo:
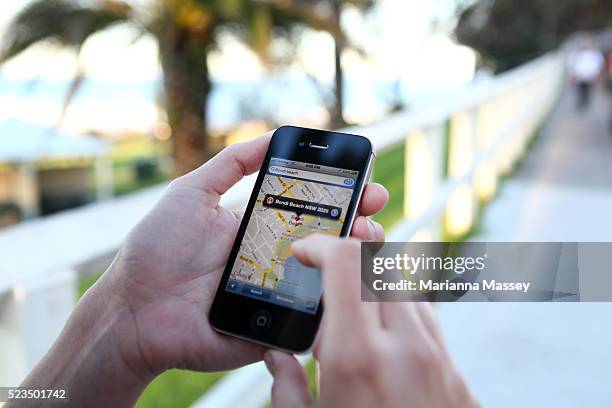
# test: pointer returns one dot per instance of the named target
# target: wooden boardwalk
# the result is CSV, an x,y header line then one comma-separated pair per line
x,y
545,354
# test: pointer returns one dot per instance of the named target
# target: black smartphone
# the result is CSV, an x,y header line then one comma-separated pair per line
x,y
310,181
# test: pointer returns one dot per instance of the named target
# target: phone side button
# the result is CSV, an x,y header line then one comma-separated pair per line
x,y
261,320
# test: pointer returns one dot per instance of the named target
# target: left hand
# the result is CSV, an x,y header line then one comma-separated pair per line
x,y
167,271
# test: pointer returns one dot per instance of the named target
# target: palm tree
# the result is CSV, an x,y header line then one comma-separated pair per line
x,y
333,10
185,31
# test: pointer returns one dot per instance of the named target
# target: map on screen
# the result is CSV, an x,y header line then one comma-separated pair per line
x,y
288,209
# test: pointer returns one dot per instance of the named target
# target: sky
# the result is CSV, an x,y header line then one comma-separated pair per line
x,y
396,35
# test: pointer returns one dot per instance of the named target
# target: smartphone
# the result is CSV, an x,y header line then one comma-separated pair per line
x,y
310,181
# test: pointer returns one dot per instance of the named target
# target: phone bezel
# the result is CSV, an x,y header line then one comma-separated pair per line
x,y
291,329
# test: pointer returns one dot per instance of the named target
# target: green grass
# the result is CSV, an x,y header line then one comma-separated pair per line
x,y
389,171
311,370
86,283
174,388
177,388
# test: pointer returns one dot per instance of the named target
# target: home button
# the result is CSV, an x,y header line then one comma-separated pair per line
x,y
261,319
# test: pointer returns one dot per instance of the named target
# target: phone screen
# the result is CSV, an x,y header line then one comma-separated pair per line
x,y
296,199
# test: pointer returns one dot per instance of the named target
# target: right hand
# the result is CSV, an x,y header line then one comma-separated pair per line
x,y
370,354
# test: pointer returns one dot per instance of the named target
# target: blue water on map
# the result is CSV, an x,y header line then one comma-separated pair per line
x,y
304,282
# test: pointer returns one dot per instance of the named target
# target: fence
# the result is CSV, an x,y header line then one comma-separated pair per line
x,y
452,156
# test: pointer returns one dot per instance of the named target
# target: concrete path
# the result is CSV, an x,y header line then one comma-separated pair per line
x,y
537,354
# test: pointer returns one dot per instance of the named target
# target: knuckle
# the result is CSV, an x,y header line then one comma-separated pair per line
x,y
360,360
428,361
355,367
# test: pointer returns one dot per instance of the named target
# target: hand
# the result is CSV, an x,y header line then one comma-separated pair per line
x,y
168,269
370,354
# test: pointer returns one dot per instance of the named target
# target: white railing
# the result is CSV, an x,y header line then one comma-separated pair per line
x,y
454,154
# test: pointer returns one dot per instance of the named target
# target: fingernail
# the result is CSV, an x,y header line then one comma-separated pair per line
x,y
269,361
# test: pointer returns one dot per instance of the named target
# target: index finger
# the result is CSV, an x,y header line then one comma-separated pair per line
x,y
339,260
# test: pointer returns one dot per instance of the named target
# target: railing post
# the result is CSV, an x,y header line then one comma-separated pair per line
x,y
31,317
485,180
424,156
461,208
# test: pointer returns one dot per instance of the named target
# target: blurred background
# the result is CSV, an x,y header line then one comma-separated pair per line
x,y
492,120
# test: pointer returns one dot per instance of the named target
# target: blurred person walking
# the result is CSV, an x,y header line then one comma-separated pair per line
x,y
586,66
609,83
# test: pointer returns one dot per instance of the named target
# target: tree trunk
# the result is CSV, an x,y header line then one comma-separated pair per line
x,y
186,90
337,119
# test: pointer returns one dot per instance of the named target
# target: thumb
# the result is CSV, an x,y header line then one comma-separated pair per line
x,y
290,388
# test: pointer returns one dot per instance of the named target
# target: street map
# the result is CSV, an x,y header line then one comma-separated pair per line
x,y
264,259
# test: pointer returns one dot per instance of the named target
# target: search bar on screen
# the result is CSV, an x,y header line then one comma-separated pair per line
x,y
311,175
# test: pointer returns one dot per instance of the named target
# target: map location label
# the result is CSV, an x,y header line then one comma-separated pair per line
x,y
302,207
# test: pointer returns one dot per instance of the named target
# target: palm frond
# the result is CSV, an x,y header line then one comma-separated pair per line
x,y
68,22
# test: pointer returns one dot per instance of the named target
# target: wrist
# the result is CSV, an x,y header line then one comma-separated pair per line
x,y
117,325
